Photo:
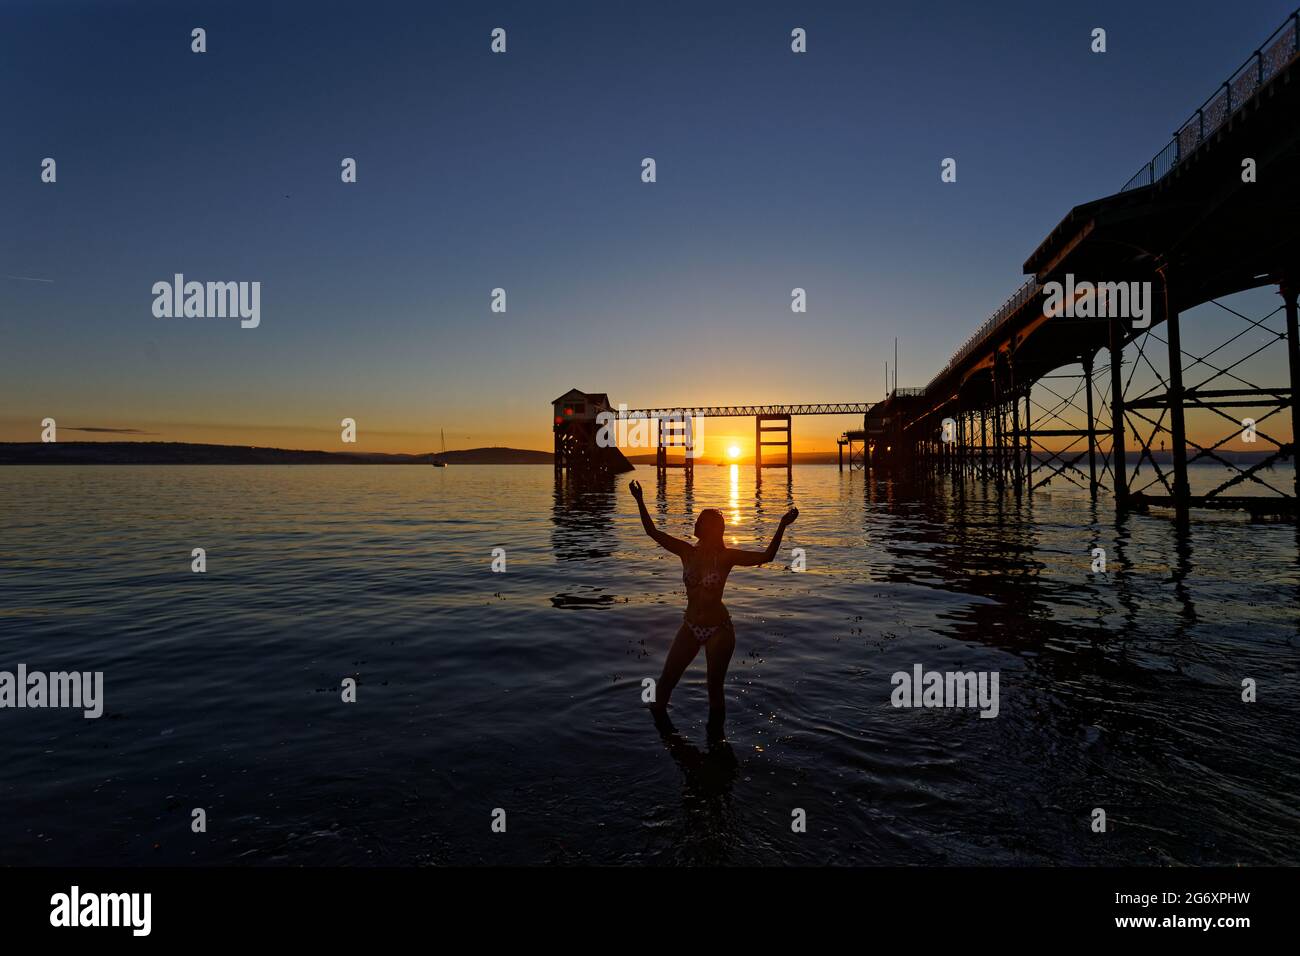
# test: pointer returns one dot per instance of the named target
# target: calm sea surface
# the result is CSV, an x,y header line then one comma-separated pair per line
x,y
522,690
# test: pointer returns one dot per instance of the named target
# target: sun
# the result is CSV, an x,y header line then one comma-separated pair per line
x,y
733,451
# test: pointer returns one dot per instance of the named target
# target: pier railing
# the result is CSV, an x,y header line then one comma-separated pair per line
x,y
1275,53
1004,312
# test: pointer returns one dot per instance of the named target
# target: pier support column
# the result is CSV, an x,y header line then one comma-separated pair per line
x,y
945,450
1177,427
970,447
954,450
1029,442
781,424
984,445
661,450
688,447
1288,290
1015,442
1092,431
998,424
1004,466
1118,457
961,445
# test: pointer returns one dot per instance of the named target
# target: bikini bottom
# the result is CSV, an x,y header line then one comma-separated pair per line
x,y
703,632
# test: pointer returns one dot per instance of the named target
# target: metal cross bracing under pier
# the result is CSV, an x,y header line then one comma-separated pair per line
x,y
1117,420
1220,392
1038,395
859,450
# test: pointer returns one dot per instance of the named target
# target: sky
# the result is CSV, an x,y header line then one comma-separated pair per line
x,y
522,171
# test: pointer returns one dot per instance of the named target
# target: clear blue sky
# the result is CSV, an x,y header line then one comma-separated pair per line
x,y
775,170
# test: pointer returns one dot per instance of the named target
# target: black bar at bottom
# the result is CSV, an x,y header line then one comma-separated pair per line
x,y
486,904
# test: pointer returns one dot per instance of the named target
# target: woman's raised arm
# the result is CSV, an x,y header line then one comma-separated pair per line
x,y
666,541
749,559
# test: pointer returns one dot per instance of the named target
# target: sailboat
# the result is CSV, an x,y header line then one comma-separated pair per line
x,y
438,462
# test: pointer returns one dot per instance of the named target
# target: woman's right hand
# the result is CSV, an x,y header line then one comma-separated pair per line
x,y
635,488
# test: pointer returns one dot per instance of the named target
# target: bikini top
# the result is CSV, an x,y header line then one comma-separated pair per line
x,y
711,579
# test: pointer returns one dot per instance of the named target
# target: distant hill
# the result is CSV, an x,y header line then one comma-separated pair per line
x,y
496,456
186,453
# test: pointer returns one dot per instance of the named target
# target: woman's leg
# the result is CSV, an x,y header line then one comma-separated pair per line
x,y
717,652
680,655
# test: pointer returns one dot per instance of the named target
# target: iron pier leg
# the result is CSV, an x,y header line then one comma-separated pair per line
x,y
984,446
1288,291
1177,427
1029,443
1118,457
1092,432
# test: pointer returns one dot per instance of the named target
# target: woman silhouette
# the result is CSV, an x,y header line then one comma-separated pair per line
x,y
705,567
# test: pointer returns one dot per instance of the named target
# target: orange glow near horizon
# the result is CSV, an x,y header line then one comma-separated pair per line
x,y
381,431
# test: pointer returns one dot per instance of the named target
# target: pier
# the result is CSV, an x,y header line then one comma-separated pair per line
x,y
1212,214
576,431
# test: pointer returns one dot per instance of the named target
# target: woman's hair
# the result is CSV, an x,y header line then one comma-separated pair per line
x,y
709,525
